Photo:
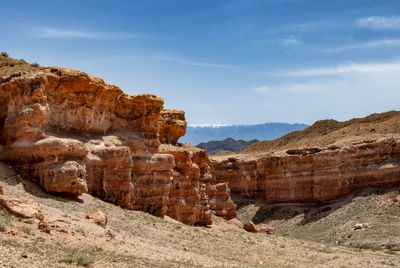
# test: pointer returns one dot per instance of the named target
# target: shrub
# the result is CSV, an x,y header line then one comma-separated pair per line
x,y
4,54
3,228
80,230
84,261
67,260
35,64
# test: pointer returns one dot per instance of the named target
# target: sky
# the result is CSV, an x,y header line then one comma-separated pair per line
x,y
223,61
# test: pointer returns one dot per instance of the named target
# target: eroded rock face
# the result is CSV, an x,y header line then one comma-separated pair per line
x,y
173,126
193,188
313,176
72,133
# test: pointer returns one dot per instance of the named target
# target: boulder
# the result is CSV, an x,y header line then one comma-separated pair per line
x,y
250,227
20,207
97,217
359,226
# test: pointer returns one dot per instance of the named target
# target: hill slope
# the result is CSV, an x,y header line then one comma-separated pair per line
x,y
229,144
329,132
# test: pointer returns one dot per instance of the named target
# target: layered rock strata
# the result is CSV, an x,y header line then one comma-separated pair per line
x,y
312,175
72,133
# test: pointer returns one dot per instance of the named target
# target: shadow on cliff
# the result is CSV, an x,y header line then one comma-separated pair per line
x,y
259,211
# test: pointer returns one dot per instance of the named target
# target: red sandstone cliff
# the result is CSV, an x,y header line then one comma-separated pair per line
x,y
72,133
312,175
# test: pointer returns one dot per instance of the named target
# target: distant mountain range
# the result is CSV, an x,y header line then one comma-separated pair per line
x,y
261,132
228,144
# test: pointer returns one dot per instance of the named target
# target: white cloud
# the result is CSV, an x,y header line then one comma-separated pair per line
x,y
363,68
261,89
366,45
195,63
72,34
290,41
380,23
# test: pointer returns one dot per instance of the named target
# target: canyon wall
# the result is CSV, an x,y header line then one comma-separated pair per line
x,y
312,175
72,133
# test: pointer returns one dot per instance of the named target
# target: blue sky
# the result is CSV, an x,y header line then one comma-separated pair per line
x,y
223,62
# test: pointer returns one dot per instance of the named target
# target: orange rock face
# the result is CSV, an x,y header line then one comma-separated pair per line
x,y
193,189
173,126
72,133
313,176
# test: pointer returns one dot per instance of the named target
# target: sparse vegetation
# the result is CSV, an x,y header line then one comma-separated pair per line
x,y
26,230
35,64
80,230
84,261
3,227
4,54
39,239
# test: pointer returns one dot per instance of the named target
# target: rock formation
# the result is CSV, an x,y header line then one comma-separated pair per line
x,y
72,133
312,175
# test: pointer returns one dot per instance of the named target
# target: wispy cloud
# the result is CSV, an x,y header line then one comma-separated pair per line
x,y
291,40
293,88
361,68
76,34
261,89
195,63
366,45
380,23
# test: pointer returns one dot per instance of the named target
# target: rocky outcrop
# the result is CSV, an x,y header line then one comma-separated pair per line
x,y
72,133
20,207
313,175
193,188
173,126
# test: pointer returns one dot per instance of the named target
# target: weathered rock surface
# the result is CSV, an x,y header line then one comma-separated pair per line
x,y
173,127
1,190
193,188
21,208
72,133
313,175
